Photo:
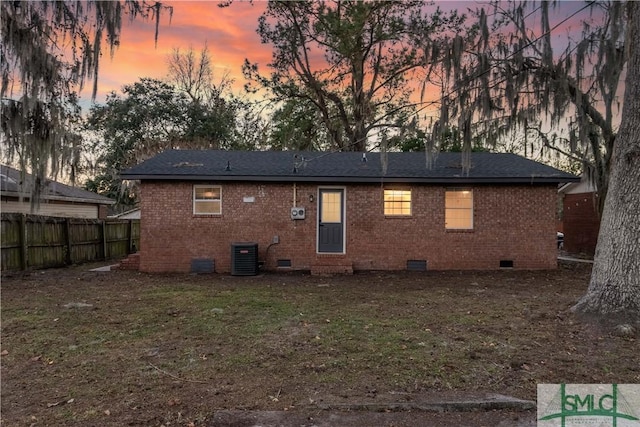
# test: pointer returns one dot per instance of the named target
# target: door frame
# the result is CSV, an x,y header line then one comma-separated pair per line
x,y
344,218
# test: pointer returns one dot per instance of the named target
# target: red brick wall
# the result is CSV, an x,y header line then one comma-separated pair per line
x,y
102,211
510,223
581,223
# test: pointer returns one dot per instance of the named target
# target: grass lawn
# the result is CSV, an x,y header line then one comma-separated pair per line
x,y
124,348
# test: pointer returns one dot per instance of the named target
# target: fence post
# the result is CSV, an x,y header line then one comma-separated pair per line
x,y
130,250
24,248
104,238
67,237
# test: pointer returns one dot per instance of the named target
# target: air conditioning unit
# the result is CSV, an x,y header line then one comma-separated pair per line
x,y
244,259
297,213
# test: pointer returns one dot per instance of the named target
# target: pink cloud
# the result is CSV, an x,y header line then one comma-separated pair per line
x,y
229,33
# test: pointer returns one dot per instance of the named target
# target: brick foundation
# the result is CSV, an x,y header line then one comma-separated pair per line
x,y
132,262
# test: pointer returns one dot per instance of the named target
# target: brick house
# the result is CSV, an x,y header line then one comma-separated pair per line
x,y
580,217
339,212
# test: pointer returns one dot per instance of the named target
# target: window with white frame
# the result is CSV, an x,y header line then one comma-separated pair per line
x,y
207,200
458,206
397,202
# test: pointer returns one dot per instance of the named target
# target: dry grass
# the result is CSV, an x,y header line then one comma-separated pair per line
x,y
172,349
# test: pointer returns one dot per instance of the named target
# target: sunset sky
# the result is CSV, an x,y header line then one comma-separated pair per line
x,y
229,32
231,37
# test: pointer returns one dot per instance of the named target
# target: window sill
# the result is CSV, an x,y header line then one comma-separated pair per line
x,y
398,216
460,230
206,216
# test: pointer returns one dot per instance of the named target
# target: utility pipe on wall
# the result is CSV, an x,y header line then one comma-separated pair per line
x,y
295,194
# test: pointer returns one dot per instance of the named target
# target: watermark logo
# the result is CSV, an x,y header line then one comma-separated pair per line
x,y
601,405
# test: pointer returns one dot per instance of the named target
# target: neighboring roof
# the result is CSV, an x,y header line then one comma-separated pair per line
x,y
13,185
584,186
130,214
290,166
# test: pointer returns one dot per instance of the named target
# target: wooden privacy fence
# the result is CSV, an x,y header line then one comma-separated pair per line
x,y
34,241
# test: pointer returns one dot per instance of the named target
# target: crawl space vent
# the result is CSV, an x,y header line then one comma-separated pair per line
x,y
202,265
506,263
417,265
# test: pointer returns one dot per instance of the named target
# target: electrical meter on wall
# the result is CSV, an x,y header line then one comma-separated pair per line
x,y
297,213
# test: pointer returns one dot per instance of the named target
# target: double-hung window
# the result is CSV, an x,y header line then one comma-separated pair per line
x,y
397,202
458,205
207,200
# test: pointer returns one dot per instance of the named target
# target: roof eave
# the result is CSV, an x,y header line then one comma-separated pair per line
x,y
59,198
352,179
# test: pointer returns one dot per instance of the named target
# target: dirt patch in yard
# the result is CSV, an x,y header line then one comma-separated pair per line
x,y
125,348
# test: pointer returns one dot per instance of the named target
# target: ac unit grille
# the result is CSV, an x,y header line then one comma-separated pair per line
x,y
244,259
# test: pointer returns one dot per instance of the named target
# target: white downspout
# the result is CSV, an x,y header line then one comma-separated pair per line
x,y
295,195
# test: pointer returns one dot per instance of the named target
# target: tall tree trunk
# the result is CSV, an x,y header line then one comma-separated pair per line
x,y
359,134
614,290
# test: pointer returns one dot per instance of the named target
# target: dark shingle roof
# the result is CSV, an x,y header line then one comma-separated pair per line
x,y
12,184
289,166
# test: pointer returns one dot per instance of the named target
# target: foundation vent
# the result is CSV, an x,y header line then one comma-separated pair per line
x,y
417,265
506,263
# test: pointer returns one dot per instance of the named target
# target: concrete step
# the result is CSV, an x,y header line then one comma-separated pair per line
x,y
332,264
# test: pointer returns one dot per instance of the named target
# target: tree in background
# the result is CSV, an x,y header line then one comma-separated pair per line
x,y
48,50
351,60
187,111
211,109
510,81
450,140
296,125
192,73
148,117
614,289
